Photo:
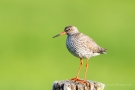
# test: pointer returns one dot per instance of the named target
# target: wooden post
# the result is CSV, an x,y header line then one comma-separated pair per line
x,y
69,85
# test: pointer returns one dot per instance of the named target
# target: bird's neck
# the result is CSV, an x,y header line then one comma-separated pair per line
x,y
72,33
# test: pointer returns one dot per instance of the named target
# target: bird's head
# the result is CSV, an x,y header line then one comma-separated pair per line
x,y
69,30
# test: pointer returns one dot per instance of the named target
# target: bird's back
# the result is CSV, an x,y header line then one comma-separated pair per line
x,y
82,46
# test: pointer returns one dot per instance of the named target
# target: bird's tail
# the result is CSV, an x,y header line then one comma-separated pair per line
x,y
102,51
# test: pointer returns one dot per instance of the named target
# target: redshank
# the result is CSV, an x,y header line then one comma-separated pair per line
x,y
81,46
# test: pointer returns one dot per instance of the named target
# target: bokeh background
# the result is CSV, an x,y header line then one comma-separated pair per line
x,y
30,59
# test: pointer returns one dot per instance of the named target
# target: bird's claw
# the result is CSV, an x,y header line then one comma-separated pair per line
x,y
75,79
83,82
79,81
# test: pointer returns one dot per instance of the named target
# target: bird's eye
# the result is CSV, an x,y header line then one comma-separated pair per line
x,y
67,29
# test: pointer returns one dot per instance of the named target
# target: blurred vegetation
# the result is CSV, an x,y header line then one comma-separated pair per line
x,y
30,59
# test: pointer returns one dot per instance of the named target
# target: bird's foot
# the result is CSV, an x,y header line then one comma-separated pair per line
x,y
83,82
75,79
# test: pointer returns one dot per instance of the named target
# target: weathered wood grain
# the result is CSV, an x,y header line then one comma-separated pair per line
x,y
70,85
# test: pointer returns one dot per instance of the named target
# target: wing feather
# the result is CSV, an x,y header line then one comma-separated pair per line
x,y
91,44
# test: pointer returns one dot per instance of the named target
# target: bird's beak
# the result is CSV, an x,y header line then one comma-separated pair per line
x,y
62,33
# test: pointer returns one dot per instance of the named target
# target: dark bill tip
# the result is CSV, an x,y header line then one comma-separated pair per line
x,y
56,35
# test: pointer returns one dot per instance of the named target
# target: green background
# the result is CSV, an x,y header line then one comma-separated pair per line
x,y
30,59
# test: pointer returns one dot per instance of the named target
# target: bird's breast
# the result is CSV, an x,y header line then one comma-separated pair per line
x,y
71,44
77,48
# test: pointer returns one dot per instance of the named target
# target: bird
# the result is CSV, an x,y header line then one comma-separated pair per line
x,y
82,47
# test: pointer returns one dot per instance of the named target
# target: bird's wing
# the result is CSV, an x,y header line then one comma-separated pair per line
x,y
91,44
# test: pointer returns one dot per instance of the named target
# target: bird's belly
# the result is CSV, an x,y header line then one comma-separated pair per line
x,y
79,51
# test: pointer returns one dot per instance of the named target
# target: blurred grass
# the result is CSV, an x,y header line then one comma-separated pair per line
x,y
31,60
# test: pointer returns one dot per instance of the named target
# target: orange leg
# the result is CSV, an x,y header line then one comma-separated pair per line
x,y
84,81
86,69
76,78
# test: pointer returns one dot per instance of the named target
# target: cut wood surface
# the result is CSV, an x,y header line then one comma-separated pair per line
x,y
70,85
